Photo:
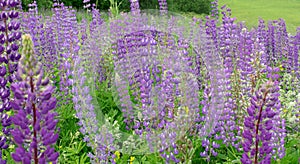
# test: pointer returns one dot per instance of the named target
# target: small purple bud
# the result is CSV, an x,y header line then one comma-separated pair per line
x,y
52,103
8,49
18,139
52,125
18,35
18,94
14,105
26,160
2,70
16,157
16,26
53,157
2,29
1,49
4,15
10,26
14,47
17,56
5,94
45,82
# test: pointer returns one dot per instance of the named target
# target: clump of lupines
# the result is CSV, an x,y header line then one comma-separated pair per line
x,y
34,120
228,36
56,40
69,50
32,24
136,54
214,93
98,137
9,56
94,49
264,130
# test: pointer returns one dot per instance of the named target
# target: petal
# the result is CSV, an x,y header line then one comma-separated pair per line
x,y
53,157
16,157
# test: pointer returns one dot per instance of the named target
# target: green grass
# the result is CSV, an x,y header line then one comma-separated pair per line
x,y
251,10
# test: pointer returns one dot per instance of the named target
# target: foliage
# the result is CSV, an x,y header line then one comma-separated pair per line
x,y
70,145
196,6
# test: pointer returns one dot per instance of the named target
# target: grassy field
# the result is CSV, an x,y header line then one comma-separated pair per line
x,y
251,10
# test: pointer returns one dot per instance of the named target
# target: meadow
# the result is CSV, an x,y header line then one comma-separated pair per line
x,y
150,86
251,10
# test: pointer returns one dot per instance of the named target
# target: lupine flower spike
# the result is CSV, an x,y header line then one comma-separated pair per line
x,y
9,44
264,130
34,121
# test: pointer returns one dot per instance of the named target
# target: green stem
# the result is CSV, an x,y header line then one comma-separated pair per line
x,y
231,152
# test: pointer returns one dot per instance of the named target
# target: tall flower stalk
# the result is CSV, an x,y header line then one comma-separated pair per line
x,y
264,130
9,44
34,121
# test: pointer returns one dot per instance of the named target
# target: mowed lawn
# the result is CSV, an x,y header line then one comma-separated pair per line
x,y
251,10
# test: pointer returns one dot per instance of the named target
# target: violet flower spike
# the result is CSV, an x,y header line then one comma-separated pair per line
x,y
34,121
9,44
262,134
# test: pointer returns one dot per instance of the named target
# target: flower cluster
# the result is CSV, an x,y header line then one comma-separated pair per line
x,y
98,137
163,82
34,121
9,44
264,130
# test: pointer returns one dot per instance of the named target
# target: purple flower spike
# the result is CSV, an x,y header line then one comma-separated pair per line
x,y
263,130
34,117
9,45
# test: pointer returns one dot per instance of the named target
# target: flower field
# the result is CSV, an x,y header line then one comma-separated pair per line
x,y
146,87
